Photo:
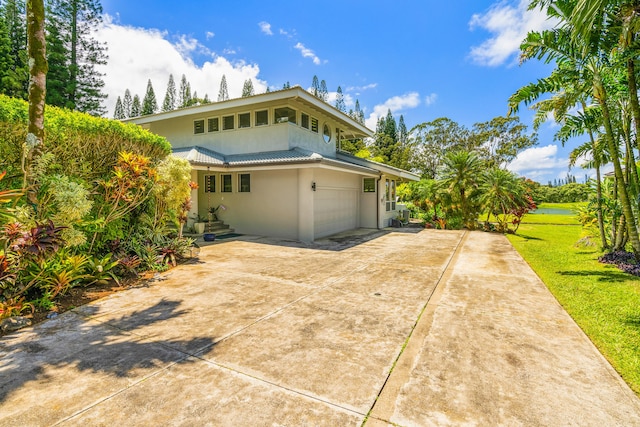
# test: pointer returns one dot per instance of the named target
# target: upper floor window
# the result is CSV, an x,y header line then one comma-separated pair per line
x,y
304,120
284,114
198,126
213,124
262,118
314,124
326,133
228,122
244,120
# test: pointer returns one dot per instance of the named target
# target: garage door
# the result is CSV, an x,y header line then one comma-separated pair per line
x,y
335,210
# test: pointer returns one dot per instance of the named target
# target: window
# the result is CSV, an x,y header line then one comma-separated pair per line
x,y
326,133
226,183
244,183
304,120
209,183
262,118
228,122
198,126
393,195
244,120
369,185
284,114
213,125
314,124
387,195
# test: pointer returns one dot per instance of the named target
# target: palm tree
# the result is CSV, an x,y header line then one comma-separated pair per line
x,y
590,56
501,191
460,175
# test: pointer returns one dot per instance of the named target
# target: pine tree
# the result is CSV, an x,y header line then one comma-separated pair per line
x,y
340,105
76,22
206,99
119,110
127,103
323,93
402,130
149,103
169,102
58,78
223,93
136,108
315,87
390,128
184,94
15,77
287,85
247,89
359,113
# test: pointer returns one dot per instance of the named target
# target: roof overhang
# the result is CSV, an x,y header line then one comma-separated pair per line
x,y
385,169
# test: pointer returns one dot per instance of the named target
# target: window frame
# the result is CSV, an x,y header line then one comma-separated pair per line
x,y
233,122
240,184
223,184
287,118
266,122
315,125
246,115
367,189
210,121
304,118
207,185
196,127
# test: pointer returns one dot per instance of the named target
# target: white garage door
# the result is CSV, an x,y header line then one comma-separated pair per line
x,y
336,210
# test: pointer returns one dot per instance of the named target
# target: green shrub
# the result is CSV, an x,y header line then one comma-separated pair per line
x,y
85,147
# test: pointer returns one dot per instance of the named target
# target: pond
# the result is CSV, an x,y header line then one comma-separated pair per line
x,y
552,211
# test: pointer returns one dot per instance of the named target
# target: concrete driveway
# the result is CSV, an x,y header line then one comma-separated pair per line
x,y
429,328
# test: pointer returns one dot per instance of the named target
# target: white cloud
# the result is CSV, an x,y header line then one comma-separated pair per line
x,y
361,88
539,162
228,51
430,99
209,35
265,27
308,53
396,104
509,25
137,54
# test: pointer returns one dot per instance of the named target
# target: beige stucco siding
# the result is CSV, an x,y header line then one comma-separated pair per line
x,y
269,209
336,202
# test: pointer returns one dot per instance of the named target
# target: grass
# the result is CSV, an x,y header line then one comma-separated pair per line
x,y
603,301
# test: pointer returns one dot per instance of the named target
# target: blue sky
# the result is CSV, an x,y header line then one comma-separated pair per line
x,y
422,59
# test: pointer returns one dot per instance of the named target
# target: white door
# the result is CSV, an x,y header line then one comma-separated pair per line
x,y
335,210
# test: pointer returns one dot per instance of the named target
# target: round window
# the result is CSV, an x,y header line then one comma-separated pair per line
x,y
326,133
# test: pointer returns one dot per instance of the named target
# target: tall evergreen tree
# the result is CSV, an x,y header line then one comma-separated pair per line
x,y
340,105
119,111
402,130
15,78
287,85
127,103
58,78
136,107
247,88
184,94
77,21
323,93
390,127
169,102
359,114
223,93
149,103
315,87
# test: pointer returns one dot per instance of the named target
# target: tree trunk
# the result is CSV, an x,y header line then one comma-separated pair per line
x,y
633,98
37,91
632,229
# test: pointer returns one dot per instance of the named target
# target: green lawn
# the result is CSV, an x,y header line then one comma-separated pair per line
x,y
604,301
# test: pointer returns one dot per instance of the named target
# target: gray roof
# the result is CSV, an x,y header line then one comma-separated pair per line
x,y
204,157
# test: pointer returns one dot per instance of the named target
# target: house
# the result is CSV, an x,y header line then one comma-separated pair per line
x,y
274,162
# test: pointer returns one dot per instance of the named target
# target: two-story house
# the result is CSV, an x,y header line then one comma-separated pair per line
x,y
274,162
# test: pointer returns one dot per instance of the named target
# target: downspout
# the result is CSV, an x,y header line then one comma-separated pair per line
x,y
378,203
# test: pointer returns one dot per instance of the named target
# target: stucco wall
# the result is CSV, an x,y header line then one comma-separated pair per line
x,y
271,208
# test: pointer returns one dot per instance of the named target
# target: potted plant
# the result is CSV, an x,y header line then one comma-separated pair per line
x,y
199,224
